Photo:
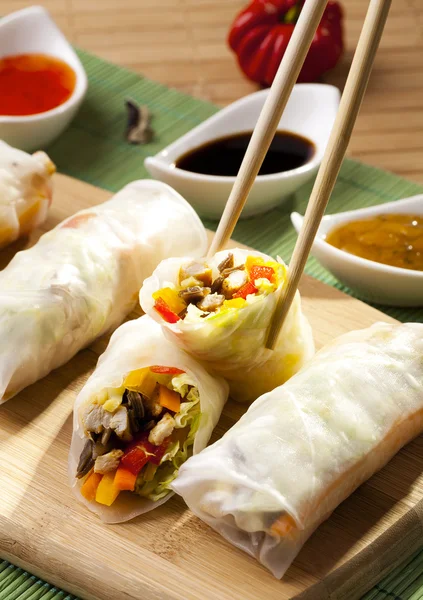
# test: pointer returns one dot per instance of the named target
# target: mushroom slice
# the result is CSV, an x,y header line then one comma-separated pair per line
x,y
217,285
227,263
153,407
226,272
194,294
86,461
135,401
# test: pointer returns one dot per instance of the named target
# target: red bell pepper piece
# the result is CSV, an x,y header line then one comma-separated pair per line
x,y
260,34
139,452
159,451
135,459
166,370
261,272
163,309
247,288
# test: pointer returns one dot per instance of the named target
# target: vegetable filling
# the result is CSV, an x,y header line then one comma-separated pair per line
x,y
201,292
139,435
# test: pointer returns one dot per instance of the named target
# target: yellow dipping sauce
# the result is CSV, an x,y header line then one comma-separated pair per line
x,y
391,239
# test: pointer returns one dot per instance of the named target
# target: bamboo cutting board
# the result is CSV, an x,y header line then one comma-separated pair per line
x,y
169,554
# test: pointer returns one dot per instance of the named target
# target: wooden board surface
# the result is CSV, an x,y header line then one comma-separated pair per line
x,y
182,43
169,554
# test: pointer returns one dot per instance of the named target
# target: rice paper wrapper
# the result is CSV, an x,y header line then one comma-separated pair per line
x,y
135,345
232,344
25,191
82,278
303,448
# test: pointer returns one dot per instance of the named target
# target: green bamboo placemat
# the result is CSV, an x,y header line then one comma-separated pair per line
x,y
93,149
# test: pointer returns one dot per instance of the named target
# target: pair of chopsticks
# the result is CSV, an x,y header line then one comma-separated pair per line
x,y
334,155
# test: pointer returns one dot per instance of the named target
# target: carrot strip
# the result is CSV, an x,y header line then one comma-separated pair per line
x,y
125,480
89,488
169,399
283,526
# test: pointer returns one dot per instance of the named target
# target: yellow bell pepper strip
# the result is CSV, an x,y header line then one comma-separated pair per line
x,y
169,399
141,380
234,303
261,272
89,488
171,297
166,370
107,491
247,289
164,311
124,479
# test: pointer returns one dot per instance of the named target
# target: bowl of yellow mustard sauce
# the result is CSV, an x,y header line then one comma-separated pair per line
x,y
375,251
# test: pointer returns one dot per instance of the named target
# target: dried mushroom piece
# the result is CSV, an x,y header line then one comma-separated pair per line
x,y
217,285
138,128
152,405
192,295
227,271
86,461
227,263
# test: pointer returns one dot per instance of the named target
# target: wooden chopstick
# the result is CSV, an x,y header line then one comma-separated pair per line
x,y
269,118
334,155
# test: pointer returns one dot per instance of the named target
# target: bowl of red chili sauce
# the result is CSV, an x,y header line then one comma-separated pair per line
x,y
42,81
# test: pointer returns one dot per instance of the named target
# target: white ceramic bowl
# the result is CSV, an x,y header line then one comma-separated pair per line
x,y
32,30
371,280
310,112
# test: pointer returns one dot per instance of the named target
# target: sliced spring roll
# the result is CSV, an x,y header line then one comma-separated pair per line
x,y
219,310
303,448
25,191
145,409
82,278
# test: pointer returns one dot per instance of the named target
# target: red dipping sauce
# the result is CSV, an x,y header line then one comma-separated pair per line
x,y
33,83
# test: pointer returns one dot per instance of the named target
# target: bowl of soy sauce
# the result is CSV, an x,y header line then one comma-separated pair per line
x,y
202,165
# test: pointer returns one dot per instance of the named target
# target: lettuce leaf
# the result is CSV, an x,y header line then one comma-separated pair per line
x,y
176,455
181,384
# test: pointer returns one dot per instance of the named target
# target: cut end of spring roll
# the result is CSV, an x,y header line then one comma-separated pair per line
x,y
25,191
147,407
219,310
303,448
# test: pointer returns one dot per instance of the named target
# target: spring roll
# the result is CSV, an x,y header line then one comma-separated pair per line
x,y
82,278
219,310
146,408
25,191
301,449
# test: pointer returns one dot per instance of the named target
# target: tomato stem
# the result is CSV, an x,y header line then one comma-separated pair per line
x,y
292,15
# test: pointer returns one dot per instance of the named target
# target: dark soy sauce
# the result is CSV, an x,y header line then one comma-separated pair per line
x,y
223,156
